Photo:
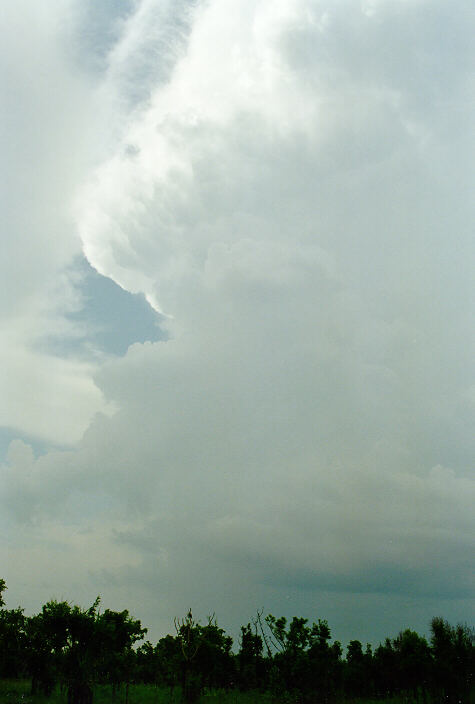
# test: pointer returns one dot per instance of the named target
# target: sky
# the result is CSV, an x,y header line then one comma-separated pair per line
x,y
237,309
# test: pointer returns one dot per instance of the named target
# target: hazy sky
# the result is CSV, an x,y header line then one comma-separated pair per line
x,y
237,309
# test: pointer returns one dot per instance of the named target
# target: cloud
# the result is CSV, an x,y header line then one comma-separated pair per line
x,y
52,124
45,153
292,193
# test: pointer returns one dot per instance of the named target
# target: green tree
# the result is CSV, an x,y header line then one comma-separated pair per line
x,y
147,663
117,633
385,670
190,639
12,643
214,661
412,662
325,665
47,638
170,661
453,661
305,664
249,658
358,670
289,671
76,647
12,639
204,656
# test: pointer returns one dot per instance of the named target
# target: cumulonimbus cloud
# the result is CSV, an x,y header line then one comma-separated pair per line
x,y
293,194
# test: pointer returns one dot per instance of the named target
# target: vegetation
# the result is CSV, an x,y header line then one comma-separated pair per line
x,y
69,655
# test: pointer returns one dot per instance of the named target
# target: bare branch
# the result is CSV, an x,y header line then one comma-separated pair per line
x,y
258,621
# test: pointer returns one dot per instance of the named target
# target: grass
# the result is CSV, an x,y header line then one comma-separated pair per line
x,y
18,692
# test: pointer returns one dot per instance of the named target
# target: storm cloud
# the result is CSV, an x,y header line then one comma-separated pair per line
x,y
288,186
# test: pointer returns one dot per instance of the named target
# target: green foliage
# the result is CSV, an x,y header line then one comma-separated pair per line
x,y
72,654
116,633
250,661
453,661
77,647
305,664
12,642
358,681
170,661
3,586
12,639
204,656
412,660
385,670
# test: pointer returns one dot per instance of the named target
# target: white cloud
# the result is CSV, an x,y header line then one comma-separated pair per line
x,y
46,117
294,194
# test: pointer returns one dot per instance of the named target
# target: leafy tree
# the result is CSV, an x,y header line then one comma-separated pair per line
x,y
47,637
147,663
453,661
64,647
358,670
412,662
250,660
170,661
12,639
214,661
289,672
385,670
189,639
305,663
76,647
12,643
204,655
117,633
81,654
325,666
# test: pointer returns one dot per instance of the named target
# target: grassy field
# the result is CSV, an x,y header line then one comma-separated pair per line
x,y
18,692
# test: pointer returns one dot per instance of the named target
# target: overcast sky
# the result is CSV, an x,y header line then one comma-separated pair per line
x,y
237,309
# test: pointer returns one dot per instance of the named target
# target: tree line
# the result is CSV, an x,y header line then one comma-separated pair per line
x,y
75,649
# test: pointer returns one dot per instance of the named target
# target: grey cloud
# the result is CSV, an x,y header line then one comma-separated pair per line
x,y
294,194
